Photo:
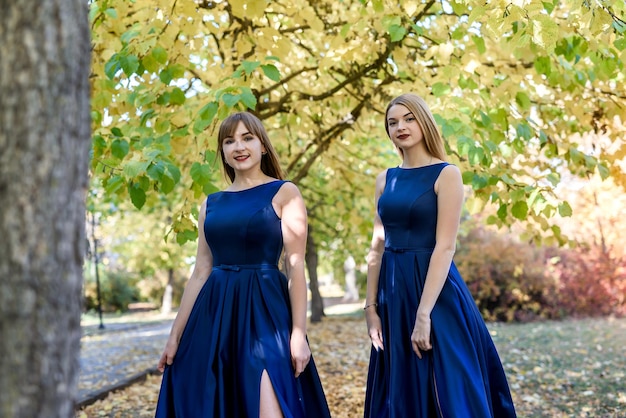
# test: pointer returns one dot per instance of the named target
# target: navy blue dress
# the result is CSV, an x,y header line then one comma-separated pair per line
x,y
462,376
240,324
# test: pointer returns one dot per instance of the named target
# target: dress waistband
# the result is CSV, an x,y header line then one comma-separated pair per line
x,y
408,250
237,267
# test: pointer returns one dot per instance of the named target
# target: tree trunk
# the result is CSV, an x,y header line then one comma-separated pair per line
x,y
166,303
317,304
44,156
352,292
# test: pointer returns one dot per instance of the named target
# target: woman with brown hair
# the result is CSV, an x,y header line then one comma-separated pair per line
x,y
238,345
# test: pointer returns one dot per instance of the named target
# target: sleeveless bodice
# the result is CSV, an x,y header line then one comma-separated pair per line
x,y
242,227
408,207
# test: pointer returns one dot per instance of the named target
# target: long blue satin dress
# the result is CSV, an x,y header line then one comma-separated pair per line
x,y
240,324
462,376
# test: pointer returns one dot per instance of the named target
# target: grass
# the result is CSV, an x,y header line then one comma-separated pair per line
x,y
572,368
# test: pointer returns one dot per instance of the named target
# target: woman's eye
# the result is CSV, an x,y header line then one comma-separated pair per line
x,y
228,141
411,119
392,123
248,138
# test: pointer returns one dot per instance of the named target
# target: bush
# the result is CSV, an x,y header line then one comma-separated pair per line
x,y
117,290
591,282
506,278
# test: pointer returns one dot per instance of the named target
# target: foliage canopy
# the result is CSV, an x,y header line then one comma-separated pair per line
x,y
513,85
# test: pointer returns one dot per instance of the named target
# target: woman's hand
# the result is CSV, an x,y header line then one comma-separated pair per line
x,y
420,338
300,352
168,354
374,328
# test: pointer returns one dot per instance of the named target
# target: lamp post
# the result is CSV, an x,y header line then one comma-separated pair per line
x,y
95,263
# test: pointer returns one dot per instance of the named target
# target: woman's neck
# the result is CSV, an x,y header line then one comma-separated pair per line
x,y
412,160
245,181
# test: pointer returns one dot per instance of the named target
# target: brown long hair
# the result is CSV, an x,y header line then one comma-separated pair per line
x,y
269,161
418,107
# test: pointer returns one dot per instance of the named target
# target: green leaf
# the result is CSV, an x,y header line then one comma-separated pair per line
x,y
440,89
156,171
146,116
565,209
137,195
160,54
345,29
475,155
163,99
271,72
480,44
98,142
396,32
112,66
248,98
128,36
166,76
177,70
522,100
111,12
250,66
209,188
119,148
543,65
113,184
507,179
478,182
184,236
177,96
206,115
545,32
230,100
547,6
150,63
554,178
464,144
174,172
200,173
520,210
502,212
135,168
467,176
604,171
492,220
94,11
167,184
129,64
524,131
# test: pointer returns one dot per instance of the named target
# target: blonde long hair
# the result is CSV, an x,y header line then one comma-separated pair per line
x,y
269,161
418,107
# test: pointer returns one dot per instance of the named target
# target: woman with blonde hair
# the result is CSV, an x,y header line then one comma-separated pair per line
x,y
432,355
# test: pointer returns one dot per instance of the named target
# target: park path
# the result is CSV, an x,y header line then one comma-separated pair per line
x,y
123,353
117,355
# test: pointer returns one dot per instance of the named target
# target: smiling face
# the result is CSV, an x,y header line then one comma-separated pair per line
x,y
403,128
242,150
232,129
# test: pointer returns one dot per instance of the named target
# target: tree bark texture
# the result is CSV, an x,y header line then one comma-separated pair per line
x,y
44,155
317,303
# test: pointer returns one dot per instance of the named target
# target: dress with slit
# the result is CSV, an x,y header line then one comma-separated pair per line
x,y
462,376
240,324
